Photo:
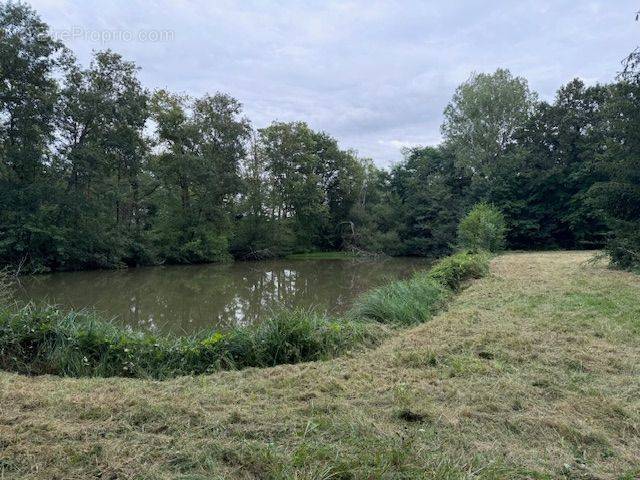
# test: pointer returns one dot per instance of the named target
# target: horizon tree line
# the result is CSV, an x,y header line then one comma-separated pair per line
x,y
98,172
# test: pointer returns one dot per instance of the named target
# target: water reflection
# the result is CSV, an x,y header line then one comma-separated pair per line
x,y
187,298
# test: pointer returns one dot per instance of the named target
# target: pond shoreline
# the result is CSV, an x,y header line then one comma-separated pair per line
x,y
540,356
44,340
185,299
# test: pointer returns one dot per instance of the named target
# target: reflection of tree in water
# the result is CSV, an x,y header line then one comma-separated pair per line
x,y
188,298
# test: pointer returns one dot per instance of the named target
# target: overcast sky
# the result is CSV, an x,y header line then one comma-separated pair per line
x,y
376,75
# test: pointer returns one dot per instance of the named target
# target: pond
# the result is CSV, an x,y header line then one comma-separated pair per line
x,y
185,299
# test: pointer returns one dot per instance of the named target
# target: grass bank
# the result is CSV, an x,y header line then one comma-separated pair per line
x,y
532,372
47,341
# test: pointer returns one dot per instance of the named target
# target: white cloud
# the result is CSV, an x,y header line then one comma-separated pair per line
x,y
375,74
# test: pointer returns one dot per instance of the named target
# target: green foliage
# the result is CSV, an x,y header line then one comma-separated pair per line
x,y
202,144
47,341
29,61
5,288
44,340
482,229
300,335
483,117
540,184
312,186
374,221
617,193
431,200
417,299
82,184
454,270
82,187
402,303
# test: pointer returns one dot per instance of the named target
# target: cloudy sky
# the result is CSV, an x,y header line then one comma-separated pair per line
x,y
375,74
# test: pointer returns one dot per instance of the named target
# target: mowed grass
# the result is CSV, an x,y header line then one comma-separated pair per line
x,y
532,372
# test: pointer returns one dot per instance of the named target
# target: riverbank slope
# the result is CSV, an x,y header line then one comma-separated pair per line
x,y
532,372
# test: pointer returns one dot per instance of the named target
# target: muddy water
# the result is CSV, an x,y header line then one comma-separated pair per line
x,y
184,299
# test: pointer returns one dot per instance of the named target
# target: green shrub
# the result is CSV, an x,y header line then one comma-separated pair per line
x,y
623,246
300,335
455,269
483,228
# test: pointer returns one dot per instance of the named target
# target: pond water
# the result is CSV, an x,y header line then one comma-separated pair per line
x,y
185,299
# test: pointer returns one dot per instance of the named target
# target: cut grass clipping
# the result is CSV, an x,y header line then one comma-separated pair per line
x,y
44,340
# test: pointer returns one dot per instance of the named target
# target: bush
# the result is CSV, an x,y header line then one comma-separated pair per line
x,y
483,228
300,335
455,269
619,204
624,249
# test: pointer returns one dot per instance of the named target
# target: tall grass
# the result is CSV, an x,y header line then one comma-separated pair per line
x,y
456,269
416,300
402,303
44,340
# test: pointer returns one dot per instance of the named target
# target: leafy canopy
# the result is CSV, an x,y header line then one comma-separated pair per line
x,y
482,229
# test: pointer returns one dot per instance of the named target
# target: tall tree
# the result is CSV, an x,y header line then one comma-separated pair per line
x,y
376,215
617,195
295,170
313,185
29,61
341,174
101,150
253,236
200,144
540,182
482,118
431,192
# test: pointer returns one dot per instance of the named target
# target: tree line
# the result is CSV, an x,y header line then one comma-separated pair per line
x,y
98,172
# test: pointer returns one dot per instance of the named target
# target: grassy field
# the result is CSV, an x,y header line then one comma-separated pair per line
x,y
532,372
